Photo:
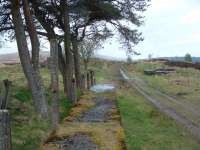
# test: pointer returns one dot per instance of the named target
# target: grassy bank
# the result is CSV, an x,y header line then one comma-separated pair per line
x,y
27,130
146,128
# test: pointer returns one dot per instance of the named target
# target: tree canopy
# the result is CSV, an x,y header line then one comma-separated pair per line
x,y
87,17
188,57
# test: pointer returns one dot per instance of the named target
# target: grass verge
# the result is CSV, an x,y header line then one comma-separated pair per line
x,y
146,128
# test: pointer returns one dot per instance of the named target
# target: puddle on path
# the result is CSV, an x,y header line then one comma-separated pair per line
x,y
100,88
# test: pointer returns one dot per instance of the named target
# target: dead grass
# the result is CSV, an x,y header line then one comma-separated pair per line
x,y
107,135
2,65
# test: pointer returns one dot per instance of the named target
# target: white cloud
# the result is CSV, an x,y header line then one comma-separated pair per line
x,y
165,4
192,17
192,39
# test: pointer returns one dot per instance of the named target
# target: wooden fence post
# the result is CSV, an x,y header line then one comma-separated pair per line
x,y
4,94
5,130
94,79
88,80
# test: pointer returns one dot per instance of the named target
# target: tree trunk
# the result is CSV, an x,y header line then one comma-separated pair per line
x,y
31,75
33,35
87,74
5,130
62,67
51,35
77,63
54,82
68,53
85,66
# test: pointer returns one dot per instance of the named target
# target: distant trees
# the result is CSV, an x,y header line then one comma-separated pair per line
x,y
188,57
150,56
87,49
129,59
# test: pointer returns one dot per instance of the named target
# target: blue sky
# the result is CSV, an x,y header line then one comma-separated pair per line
x,y
172,28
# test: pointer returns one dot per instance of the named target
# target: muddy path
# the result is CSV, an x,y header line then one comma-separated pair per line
x,y
101,112
166,109
94,124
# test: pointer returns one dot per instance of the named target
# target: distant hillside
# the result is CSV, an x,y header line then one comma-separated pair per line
x,y
194,59
14,57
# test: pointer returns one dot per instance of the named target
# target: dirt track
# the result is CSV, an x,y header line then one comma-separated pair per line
x,y
156,98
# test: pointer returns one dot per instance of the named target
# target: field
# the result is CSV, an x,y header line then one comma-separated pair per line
x,y
144,125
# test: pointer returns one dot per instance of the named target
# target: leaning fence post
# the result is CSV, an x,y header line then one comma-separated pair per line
x,y
5,130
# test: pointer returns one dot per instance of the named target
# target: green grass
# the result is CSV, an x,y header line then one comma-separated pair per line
x,y
27,130
147,129
23,95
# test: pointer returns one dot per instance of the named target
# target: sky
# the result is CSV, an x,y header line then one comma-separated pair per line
x,y
171,28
